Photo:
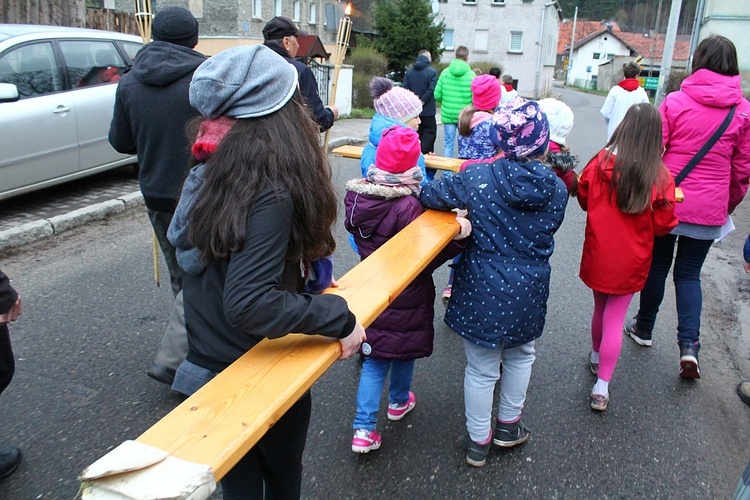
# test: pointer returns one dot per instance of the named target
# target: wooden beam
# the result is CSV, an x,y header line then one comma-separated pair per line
x,y
221,422
431,161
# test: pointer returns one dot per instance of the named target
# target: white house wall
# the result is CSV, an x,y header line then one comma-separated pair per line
x,y
499,21
585,66
730,18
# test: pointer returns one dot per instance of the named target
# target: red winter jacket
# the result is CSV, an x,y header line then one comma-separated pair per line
x,y
689,118
617,247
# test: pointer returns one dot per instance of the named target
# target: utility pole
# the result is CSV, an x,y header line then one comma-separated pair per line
x,y
572,43
666,58
697,22
656,37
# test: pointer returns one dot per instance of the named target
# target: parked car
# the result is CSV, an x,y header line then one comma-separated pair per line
x,y
57,94
397,77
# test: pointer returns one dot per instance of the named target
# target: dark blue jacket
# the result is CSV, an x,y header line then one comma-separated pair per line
x,y
151,110
502,281
309,88
421,79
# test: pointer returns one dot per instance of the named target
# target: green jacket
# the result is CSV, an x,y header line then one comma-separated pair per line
x,y
453,90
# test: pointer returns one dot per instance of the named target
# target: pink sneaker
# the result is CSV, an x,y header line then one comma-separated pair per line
x,y
397,411
365,441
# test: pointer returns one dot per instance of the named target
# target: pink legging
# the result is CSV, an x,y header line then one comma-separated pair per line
x,y
606,329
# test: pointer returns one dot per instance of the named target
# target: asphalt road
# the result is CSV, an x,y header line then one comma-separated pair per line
x,y
93,320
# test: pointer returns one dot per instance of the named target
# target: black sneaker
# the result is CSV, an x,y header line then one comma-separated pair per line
x,y
476,454
689,361
509,435
640,337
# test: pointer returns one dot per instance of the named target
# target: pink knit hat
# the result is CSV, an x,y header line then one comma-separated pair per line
x,y
394,102
398,150
485,92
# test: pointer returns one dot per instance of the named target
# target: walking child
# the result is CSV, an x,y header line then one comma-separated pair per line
x,y
563,162
499,302
629,196
377,208
474,143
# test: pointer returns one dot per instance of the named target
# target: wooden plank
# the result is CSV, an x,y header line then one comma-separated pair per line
x,y
432,161
223,420
444,163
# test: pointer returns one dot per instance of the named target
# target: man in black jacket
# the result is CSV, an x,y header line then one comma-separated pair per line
x,y
421,79
280,35
151,111
10,310
152,108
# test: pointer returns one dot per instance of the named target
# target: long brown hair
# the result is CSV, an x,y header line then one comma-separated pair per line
x,y
637,146
464,119
280,151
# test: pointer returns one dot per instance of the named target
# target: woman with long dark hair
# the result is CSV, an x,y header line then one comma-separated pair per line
x,y
254,217
713,189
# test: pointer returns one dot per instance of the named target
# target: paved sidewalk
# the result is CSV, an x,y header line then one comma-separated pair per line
x,y
56,217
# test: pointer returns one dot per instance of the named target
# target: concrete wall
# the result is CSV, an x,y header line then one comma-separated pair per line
x,y
498,20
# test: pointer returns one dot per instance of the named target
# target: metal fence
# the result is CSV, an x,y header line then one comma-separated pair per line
x,y
322,75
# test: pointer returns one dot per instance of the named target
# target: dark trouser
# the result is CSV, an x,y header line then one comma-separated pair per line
x,y
427,133
272,469
691,254
7,363
160,222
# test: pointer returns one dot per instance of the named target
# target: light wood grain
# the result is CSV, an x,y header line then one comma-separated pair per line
x,y
431,161
227,417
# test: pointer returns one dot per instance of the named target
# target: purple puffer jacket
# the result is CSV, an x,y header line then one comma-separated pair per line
x,y
374,214
719,182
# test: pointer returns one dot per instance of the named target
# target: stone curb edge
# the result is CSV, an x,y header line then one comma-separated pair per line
x,y
43,228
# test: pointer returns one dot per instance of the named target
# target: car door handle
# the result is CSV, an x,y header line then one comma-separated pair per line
x,y
61,109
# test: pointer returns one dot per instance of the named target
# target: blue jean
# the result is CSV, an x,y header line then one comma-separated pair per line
x,y
371,382
691,253
449,130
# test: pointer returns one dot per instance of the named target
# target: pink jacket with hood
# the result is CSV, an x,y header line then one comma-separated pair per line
x,y
719,182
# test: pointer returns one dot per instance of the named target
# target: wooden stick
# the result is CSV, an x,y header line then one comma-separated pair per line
x,y
342,43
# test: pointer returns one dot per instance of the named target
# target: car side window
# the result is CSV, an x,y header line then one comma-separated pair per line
x,y
90,62
131,49
32,69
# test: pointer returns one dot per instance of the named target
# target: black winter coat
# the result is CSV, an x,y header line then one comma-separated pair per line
x,y
421,79
152,108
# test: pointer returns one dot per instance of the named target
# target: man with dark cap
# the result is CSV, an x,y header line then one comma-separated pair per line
x,y
280,35
151,111
10,310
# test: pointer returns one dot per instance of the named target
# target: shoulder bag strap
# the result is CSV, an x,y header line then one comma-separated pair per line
x,y
706,147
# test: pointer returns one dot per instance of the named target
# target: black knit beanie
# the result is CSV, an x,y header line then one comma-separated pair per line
x,y
176,25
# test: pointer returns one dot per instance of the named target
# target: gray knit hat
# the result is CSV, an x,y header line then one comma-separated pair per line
x,y
242,82
176,25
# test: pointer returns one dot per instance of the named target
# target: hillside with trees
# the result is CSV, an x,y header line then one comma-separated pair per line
x,y
632,15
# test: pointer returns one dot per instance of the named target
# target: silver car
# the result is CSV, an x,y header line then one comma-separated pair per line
x,y
57,93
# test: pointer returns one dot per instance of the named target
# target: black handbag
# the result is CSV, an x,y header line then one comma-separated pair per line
x,y
706,147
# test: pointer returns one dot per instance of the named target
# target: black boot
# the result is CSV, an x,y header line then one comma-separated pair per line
x,y
10,458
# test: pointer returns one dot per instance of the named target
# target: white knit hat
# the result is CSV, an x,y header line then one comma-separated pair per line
x,y
560,118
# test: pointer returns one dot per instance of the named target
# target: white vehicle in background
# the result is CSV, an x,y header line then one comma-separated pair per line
x,y
57,93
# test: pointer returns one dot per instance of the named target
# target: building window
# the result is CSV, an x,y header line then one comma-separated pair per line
x,y
448,39
481,40
516,42
257,9
442,1
313,13
277,8
296,11
498,2
470,2
196,8
597,55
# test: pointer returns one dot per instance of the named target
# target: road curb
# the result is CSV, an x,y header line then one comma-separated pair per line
x,y
344,141
44,228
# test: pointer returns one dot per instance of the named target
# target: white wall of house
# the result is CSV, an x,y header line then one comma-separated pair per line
x,y
729,18
588,57
506,32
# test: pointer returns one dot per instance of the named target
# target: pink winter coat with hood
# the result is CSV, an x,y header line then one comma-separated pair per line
x,y
690,117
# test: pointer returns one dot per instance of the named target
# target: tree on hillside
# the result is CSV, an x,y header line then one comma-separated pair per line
x,y
405,27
